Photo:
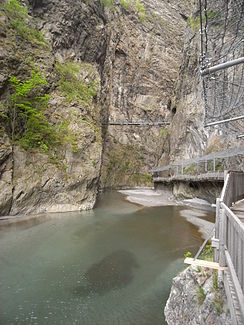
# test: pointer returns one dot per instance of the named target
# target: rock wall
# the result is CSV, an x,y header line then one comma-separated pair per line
x,y
141,70
133,56
66,177
197,298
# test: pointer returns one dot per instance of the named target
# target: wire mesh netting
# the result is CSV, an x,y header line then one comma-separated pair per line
x,y
222,40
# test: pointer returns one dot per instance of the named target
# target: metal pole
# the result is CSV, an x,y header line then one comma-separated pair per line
x,y
225,121
214,165
240,136
221,66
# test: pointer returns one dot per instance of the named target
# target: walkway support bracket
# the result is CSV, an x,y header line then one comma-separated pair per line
x,y
221,66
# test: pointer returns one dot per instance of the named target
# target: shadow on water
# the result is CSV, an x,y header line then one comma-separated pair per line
x,y
112,265
114,271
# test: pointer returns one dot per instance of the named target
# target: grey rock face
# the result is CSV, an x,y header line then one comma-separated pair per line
x,y
196,298
142,63
67,179
137,63
5,175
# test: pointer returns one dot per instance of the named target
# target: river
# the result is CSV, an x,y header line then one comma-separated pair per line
x,y
112,265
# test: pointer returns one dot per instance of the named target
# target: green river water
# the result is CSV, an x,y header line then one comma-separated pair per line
x,y
112,265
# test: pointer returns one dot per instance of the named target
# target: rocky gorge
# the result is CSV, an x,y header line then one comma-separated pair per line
x,y
129,56
69,71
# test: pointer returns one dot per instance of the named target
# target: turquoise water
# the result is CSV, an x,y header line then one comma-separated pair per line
x,y
112,265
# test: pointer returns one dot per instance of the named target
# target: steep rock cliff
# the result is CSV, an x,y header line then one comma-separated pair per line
x,y
132,55
142,67
64,178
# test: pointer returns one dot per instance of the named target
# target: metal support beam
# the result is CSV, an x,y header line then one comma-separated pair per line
x,y
225,121
221,66
240,136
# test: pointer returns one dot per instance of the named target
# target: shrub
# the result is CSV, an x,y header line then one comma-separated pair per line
x,y
28,124
201,295
141,10
131,5
187,254
207,253
19,20
71,85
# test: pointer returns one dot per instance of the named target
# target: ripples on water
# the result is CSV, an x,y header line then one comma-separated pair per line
x,y
113,265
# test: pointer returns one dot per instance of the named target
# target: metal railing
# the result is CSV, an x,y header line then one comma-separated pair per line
x,y
230,233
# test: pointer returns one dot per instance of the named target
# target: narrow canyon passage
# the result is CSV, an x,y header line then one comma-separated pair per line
x,y
113,265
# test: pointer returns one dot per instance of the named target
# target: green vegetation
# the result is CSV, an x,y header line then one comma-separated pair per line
x,y
219,166
140,8
190,169
28,123
72,87
107,3
128,5
207,253
201,295
20,21
194,22
126,163
218,301
164,132
215,280
97,130
124,4
141,178
199,269
25,117
187,254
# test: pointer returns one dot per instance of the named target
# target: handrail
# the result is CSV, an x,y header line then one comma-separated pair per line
x,y
231,234
233,189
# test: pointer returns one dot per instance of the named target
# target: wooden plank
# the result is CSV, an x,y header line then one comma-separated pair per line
x,y
222,237
240,261
230,299
234,220
236,284
203,263
226,181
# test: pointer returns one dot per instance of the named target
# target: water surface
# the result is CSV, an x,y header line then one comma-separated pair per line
x,y
112,265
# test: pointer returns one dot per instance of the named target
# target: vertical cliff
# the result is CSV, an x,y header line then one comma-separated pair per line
x,y
101,61
142,64
50,157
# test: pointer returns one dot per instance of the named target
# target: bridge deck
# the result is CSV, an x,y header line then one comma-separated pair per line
x,y
191,178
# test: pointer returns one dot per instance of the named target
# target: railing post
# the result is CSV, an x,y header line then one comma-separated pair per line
x,y
182,168
214,165
197,168
215,239
222,236
206,166
225,174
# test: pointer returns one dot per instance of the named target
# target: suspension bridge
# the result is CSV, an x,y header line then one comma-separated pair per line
x,y
137,123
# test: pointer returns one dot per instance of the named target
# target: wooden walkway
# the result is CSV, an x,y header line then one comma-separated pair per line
x,y
238,209
228,242
217,177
